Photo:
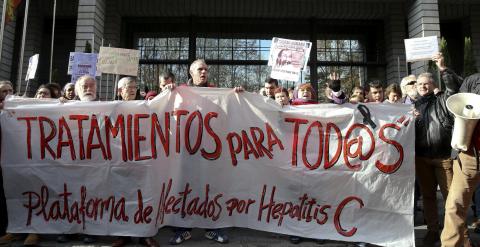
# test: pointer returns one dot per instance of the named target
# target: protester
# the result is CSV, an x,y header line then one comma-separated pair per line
x,y
433,132
409,91
375,92
55,89
150,95
466,178
128,92
358,95
305,95
269,87
358,90
281,96
291,90
356,99
334,91
199,73
6,88
43,92
475,208
86,88
127,88
32,239
167,80
69,91
393,92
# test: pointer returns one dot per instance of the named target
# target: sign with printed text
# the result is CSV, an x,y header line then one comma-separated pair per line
x,y
82,64
182,159
421,49
288,58
32,67
118,61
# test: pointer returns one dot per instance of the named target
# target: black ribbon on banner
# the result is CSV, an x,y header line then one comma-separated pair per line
x,y
366,116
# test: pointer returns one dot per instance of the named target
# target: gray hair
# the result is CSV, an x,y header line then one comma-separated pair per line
x,y
125,81
68,85
198,61
83,78
166,75
427,75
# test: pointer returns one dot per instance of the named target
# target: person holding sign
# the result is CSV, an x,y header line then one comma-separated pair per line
x,y
128,92
433,132
32,239
199,73
6,88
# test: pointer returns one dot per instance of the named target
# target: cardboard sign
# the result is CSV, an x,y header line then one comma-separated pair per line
x,y
420,49
118,61
32,67
182,159
288,58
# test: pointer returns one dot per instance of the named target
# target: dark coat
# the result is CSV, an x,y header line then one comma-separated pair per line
x,y
433,128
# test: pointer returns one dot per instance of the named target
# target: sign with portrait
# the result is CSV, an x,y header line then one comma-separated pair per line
x,y
288,58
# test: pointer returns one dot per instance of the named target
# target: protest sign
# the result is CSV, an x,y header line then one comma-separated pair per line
x,y
288,58
129,168
82,64
419,49
118,61
32,67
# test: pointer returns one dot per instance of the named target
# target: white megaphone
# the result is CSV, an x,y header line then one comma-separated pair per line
x,y
466,108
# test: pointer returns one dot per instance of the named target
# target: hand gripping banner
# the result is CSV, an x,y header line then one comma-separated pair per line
x,y
210,158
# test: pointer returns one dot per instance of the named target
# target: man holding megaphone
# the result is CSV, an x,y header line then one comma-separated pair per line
x,y
466,176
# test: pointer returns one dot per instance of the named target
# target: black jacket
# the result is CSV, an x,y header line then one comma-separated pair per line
x,y
433,128
471,84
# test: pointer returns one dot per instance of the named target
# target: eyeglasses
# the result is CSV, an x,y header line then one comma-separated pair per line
x,y
411,82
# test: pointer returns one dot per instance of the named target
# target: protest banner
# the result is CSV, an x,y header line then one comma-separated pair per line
x,y
32,67
118,61
288,57
210,158
82,64
420,49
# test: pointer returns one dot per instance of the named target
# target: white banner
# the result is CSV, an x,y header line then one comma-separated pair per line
x,y
210,158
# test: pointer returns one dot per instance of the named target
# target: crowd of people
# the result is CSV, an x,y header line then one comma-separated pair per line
x,y
436,164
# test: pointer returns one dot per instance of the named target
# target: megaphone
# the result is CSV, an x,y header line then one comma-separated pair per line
x,y
466,108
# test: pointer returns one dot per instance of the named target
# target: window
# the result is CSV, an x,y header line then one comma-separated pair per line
x,y
343,56
350,76
243,61
163,48
340,51
162,54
